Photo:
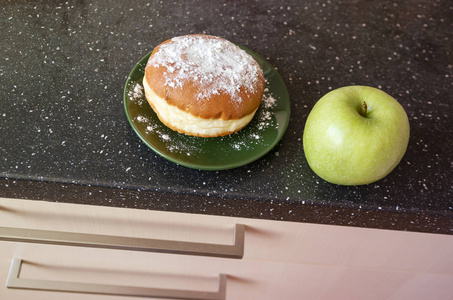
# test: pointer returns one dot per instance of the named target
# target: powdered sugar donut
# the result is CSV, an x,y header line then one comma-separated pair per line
x,y
203,85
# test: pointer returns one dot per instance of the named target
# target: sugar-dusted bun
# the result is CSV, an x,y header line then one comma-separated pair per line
x,y
203,85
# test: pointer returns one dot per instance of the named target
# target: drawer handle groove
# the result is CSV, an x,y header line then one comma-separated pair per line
x,y
14,281
127,243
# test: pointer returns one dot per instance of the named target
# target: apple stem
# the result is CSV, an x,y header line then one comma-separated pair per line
x,y
364,109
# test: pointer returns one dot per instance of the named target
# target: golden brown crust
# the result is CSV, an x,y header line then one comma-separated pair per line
x,y
219,105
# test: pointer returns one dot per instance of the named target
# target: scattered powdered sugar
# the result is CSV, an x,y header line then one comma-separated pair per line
x,y
136,93
142,119
266,113
175,143
217,64
261,121
150,128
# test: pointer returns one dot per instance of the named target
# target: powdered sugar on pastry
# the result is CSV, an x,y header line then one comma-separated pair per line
x,y
218,65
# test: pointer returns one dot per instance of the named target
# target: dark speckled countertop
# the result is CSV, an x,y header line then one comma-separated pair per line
x,y
65,136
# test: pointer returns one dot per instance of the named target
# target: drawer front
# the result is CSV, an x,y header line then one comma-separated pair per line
x,y
99,227
245,279
264,240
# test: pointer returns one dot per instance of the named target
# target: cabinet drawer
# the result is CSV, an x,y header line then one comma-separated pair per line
x,y
245,279
265,240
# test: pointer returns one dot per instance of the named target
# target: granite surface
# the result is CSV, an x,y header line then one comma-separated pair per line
x,y
65,137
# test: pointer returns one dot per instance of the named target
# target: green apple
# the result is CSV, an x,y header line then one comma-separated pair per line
x,y
355,135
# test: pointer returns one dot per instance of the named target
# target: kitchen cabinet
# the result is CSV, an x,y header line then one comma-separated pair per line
x,y
286,260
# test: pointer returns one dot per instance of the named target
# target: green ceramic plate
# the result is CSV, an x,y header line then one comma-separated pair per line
x,y
219,153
